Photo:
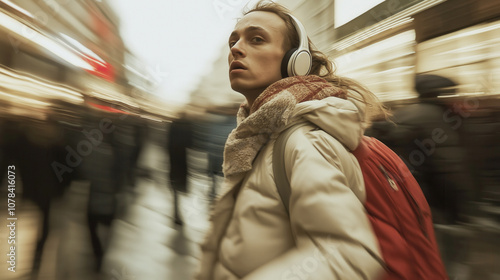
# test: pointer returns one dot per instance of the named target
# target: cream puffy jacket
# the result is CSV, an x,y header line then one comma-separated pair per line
x,y
326,236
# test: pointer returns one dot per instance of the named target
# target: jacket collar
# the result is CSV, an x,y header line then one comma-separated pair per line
x,y
270,113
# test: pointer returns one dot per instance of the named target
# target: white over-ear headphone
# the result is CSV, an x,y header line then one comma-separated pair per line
x,y
297,61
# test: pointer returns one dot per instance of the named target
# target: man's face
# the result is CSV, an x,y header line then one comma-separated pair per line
x,y
256,52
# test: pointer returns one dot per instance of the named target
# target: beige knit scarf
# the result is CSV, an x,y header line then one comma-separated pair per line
x,y
270,112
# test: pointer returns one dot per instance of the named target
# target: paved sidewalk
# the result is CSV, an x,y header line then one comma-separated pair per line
x,y
146,244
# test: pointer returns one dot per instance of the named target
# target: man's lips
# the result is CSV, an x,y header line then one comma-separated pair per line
x,y
236,65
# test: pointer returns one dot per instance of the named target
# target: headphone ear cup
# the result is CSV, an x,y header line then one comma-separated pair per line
x,y
285,62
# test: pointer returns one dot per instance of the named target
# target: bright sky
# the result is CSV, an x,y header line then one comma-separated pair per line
x,y
178,40
346,10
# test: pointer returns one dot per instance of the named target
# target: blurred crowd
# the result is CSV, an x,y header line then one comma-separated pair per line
x,y
450,144
102,150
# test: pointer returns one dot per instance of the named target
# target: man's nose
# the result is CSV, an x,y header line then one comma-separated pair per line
x,y
237,49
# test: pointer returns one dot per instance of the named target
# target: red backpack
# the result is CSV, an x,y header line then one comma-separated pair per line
x,y
396,207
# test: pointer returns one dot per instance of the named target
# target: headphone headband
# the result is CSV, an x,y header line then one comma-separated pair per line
x,y
304,44
297,61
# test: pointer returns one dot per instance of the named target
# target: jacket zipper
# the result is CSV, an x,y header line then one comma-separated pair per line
x,y
394,186
420,215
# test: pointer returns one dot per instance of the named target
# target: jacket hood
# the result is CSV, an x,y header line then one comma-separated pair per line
x,y
341,118
288,101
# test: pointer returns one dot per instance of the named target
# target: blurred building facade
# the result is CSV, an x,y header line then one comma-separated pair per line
x,y
59,55
388,42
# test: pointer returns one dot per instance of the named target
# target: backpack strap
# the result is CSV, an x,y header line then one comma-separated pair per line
x,y
279,170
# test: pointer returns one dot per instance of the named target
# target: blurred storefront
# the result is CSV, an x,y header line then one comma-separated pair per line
x,y
62,56
459,39
399,39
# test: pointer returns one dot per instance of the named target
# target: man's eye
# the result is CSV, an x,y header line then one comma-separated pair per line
x,y
232,43
257,40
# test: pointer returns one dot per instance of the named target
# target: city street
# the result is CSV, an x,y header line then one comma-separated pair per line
x,y
120,118
144,242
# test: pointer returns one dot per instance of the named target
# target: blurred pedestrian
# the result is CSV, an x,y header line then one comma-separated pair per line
x,y
222,122
179,140
100,167
480,131
328,234
29,148
424,136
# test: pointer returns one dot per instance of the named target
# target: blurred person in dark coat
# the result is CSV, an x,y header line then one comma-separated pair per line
x,y
424,136
223,121
29,148
100,167
481,132
179,140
